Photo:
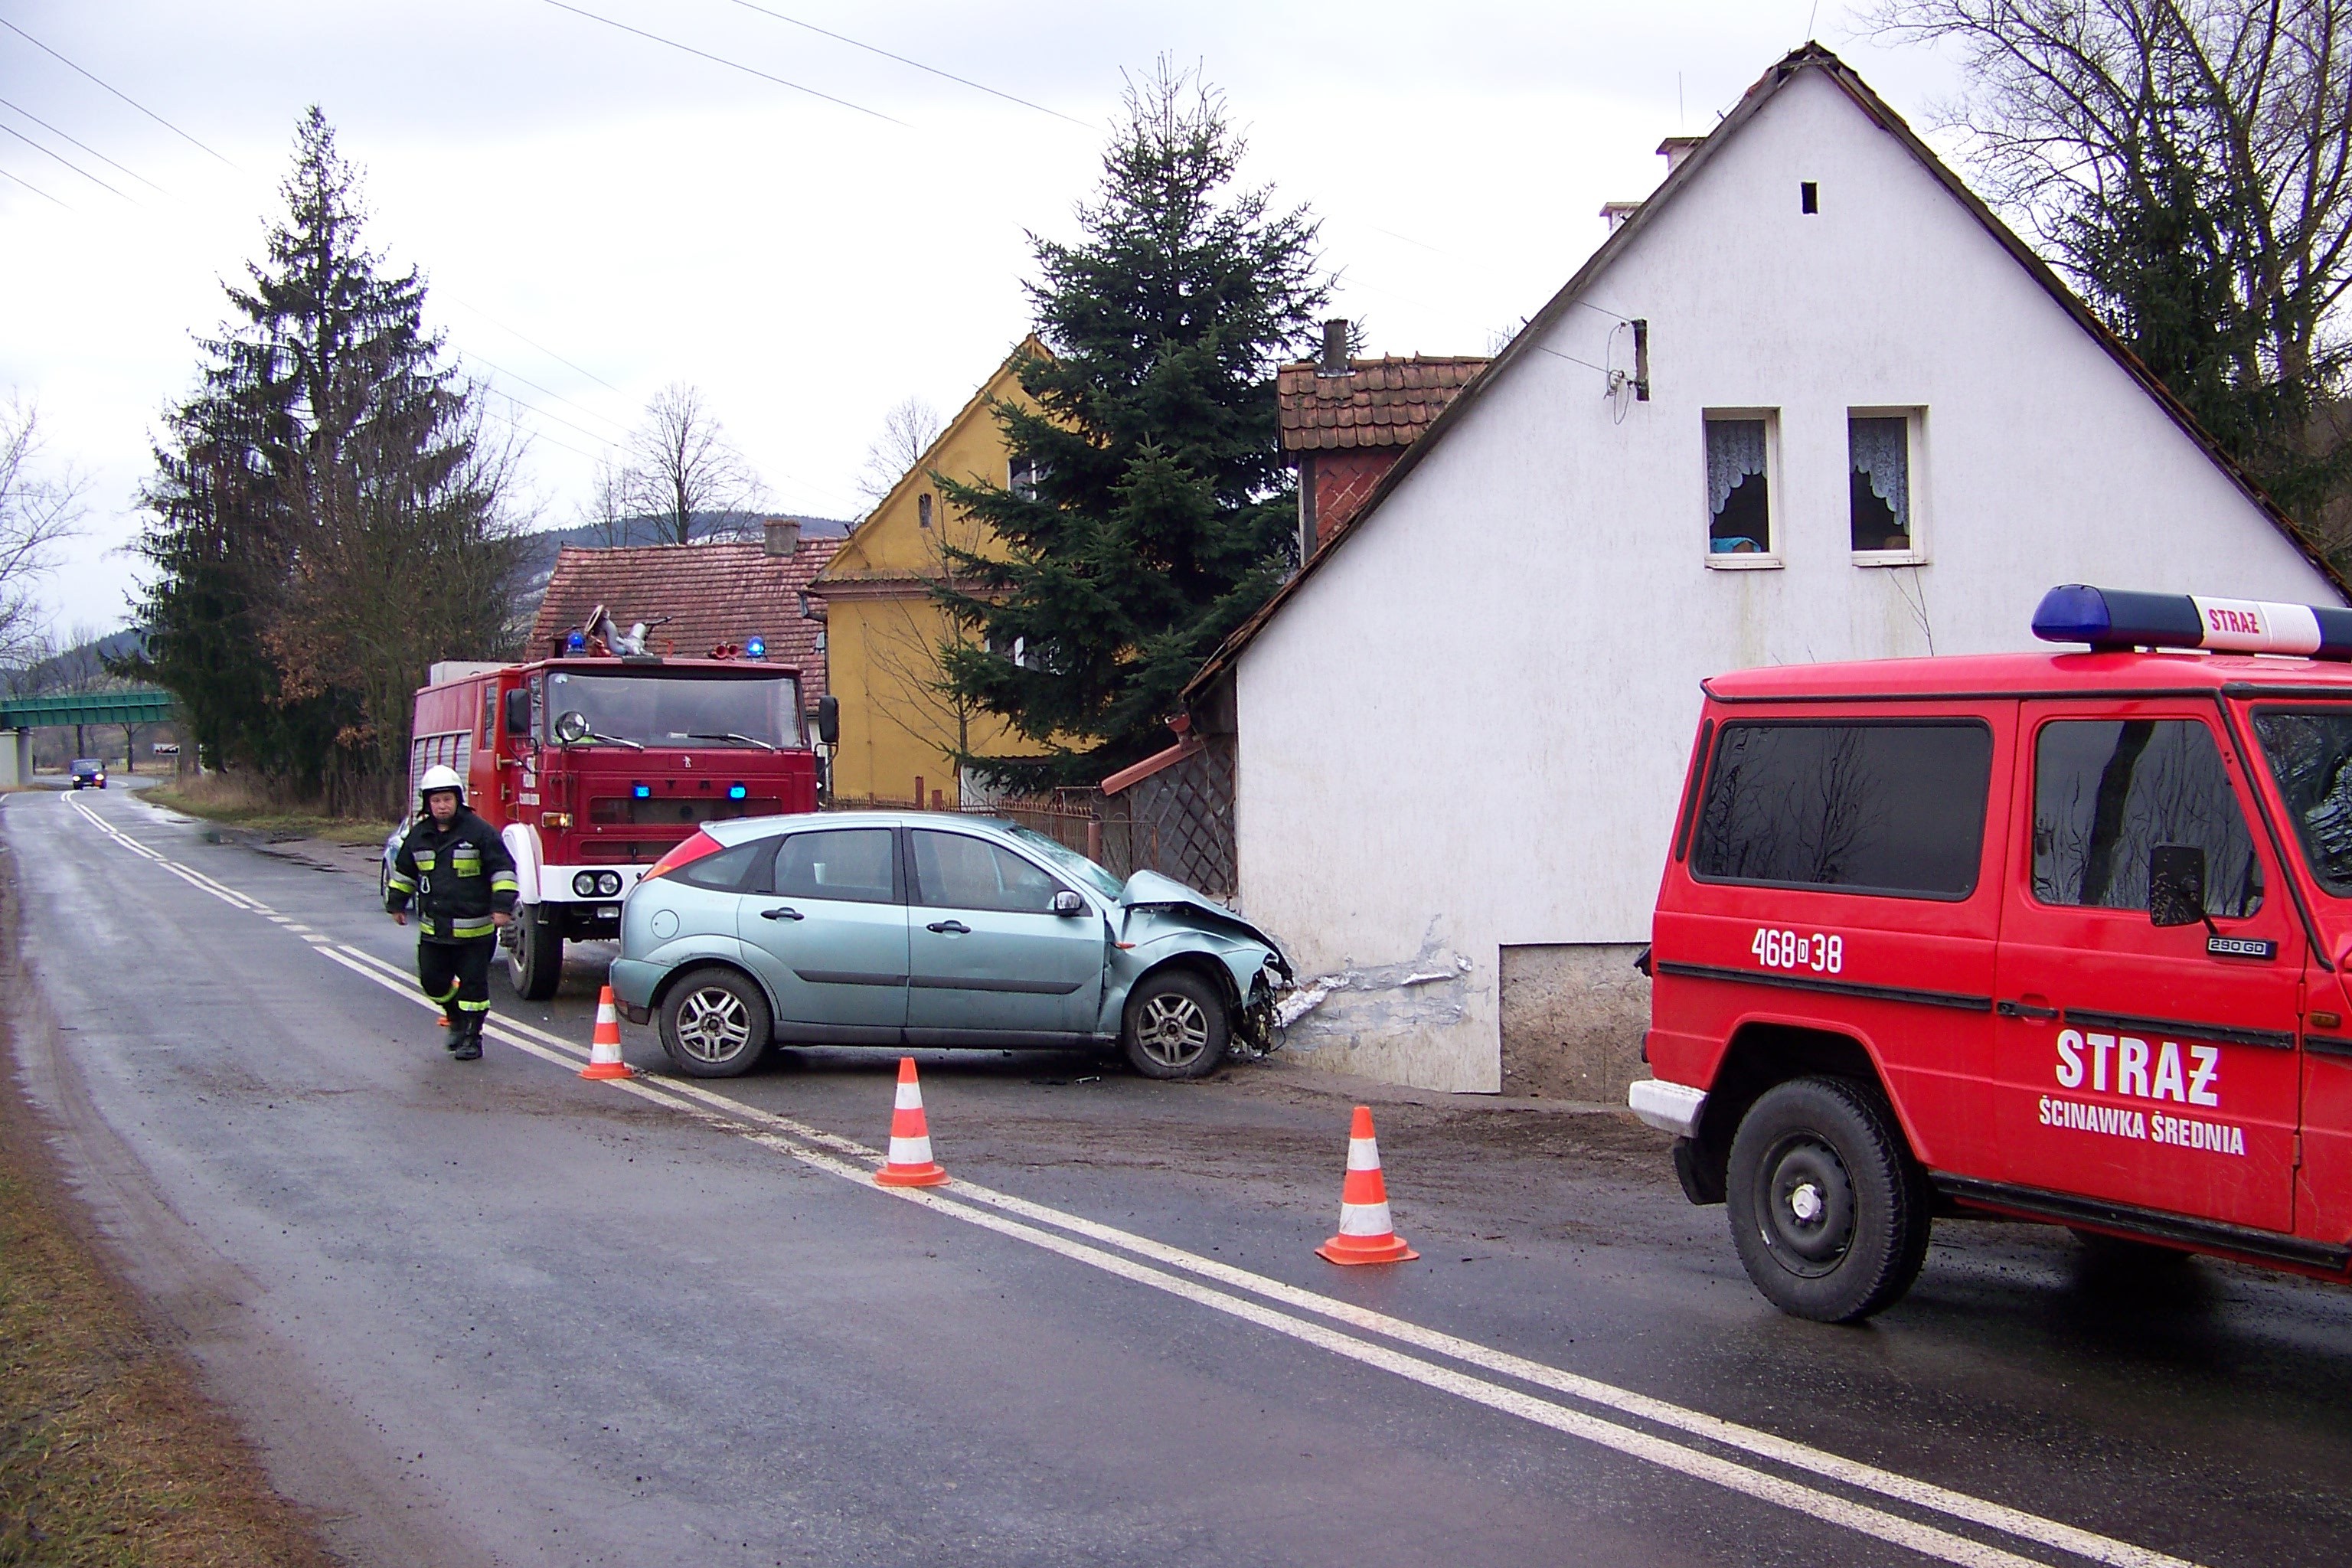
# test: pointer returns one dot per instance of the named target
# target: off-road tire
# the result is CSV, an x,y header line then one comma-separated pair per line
x,y
1176,1027
1829,1210
715,1023
534,950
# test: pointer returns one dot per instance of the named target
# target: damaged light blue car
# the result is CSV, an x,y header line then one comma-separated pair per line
x,y
920,929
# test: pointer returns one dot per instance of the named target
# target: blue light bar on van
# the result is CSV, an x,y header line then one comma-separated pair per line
x,y
2114,618
642,791
736,792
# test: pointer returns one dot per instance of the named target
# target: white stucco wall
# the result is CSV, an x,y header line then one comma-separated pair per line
x,y
1538,585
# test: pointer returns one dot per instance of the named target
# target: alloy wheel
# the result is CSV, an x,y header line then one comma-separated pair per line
x,y
712,1024
1173,1029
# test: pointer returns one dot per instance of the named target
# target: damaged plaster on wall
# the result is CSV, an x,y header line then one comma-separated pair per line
x,y
1429,991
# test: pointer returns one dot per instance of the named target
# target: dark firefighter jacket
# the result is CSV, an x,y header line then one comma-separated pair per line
x,y
458,876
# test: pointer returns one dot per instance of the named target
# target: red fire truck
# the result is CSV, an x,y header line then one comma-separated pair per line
x,y
591,767
2061,936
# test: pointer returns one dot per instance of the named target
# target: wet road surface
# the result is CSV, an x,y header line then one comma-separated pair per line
x,y
489,1312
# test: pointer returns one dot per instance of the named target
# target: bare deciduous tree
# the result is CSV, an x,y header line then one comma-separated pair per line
x,y
681,463
38,512
907,431
2189,162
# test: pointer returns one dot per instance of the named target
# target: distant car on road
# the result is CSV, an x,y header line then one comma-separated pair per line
x,y
924,928
88,773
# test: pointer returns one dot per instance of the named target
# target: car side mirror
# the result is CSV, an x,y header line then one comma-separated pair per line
x,y
828,719
1067,902
2176,885
518,711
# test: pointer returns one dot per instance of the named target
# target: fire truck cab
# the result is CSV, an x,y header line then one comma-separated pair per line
x,y
592,767
2063,937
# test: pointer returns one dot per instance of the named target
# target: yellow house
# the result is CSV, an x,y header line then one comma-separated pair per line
x,y
900,729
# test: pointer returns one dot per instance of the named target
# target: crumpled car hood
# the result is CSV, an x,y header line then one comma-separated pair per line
x,y
1149,889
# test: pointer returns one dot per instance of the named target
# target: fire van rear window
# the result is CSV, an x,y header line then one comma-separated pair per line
x,y
1886,807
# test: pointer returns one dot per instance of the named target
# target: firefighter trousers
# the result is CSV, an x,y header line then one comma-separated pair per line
x,y
457,976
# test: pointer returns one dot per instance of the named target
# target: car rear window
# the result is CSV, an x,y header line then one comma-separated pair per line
x,y
1890,807
852,865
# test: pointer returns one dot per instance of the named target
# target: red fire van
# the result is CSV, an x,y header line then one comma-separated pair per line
x,y
2061,936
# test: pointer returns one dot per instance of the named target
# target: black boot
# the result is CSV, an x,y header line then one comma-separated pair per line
x,y
456,1043
469,1048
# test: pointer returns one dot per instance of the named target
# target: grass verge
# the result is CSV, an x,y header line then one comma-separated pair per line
x,y
109,1455
233,807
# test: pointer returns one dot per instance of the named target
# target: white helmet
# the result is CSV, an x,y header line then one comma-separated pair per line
x,y
440,777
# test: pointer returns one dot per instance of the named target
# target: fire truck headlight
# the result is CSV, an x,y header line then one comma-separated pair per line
x,y
585,884
608,883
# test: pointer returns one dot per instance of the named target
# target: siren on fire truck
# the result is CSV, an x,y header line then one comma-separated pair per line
x,y
2110,619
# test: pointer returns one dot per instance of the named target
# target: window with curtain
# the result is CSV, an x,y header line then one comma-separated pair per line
x,y
1739,510
1878,451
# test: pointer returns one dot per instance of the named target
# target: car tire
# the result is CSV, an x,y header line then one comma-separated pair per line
x,y
1176,1027
534,954
715,1023
1829,1211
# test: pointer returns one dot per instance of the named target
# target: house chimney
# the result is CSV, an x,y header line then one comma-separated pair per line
x,y
784,535
1674,149
1335,347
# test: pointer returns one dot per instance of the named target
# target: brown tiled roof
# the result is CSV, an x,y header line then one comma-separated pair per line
x,y
712,593
1379,402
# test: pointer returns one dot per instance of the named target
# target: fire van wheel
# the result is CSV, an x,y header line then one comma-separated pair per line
x,y
715,1024
534,953
1828,1210
1176,1027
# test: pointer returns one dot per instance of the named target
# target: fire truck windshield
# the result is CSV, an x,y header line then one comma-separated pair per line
x,y
2310,753
687,709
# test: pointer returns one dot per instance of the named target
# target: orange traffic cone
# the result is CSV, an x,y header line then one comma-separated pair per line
x,y
1366,1233
910,1163
604,1052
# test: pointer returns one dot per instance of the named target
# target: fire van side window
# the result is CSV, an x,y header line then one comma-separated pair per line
x,y
2107,792
1890,808
2310,753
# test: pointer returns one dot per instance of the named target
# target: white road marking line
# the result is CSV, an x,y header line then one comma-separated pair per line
x,y
729,1115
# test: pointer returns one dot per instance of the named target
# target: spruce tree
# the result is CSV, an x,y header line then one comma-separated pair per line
x,y
325,518
1158,513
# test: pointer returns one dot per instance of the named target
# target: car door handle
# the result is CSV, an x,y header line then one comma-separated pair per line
x,y
2024,1010
785,914
955,928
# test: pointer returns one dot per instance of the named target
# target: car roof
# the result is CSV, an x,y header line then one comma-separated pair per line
x,y
736,829
2016,675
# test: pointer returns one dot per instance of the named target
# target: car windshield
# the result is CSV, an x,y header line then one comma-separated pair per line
x,y
744,713
2309,750
1069,862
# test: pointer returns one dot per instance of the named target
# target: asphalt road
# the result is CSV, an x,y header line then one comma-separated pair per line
x,y
490,1312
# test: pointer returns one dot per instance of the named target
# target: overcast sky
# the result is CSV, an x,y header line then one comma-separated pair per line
x,y
598,215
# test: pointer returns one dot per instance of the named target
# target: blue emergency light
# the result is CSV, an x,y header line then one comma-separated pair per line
x,y
736,792
755,647
575,643
643,792
2110,618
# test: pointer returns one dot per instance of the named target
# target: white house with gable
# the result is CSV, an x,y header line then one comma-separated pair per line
x,y
1810,400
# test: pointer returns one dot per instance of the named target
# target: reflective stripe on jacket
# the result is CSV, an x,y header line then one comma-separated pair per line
x,y
458,877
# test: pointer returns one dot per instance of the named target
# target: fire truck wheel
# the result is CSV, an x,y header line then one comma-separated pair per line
x,y
1829,1211
715,1024
1176,1027
534,953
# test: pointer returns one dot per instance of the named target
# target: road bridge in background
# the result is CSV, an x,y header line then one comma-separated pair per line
x,y
124,705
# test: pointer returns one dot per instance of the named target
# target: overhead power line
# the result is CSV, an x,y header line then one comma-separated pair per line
x,y
731,64
949,76
84,146
535,408
77,168
37,190
543,391
534,342
115,91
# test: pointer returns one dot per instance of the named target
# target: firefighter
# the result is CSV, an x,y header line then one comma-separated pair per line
x,y
463,883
